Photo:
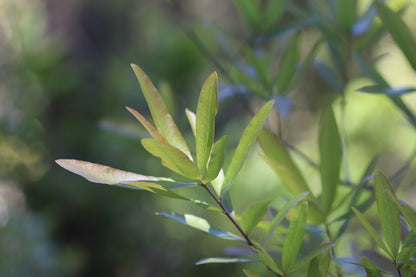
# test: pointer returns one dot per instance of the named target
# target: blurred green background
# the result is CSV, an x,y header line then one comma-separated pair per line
x,y
64,82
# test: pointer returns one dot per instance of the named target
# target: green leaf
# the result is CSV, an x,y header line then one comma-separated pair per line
x,y
102,174
288,65
408,213
202,224
313,269
224,261
161,117
388,212
346,13
381,89
267,259
372,232
146,124
311,255
248,273
205,120
399,31
281,215
406,253
216,160
246,142
253,215
250,9
324,260
370,268
330,151
172,158
192,120
273,12
294,237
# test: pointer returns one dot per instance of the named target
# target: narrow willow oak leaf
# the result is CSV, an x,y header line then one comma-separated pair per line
x,y
192,120
205,120
408,213
248,273
330,152
224,261
216,160
161,117
370,268
172,158
102,174
146,124
253,215
202,224
311,255
294,237
288,65
399,31
266,259
246,142
387,212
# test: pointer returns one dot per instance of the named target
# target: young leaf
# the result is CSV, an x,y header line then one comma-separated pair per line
x,y
102,174
311,255
388,212
224,261
246,142
216,160
253,215
192,120
288,65
205,120
330,150
172,158
248,273
202,224
370,268
294,237
399,31
146,124
161,117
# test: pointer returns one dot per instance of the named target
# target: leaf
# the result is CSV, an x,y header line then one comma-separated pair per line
x,y
224,261
329,75
205,120
102,174
253,215
294,237
346,13
161,117
387,212
311,255
216,160
273,12
250,9
246,142
324,262
267,259
380,89
370,268
330,151
248,273
399,31
288,65
202,224
146,124
192,120
408,213
372,232
172,158
313,270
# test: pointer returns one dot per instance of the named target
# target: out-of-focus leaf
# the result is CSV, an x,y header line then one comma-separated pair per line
x,y
288,65
224,261
102,174
406,253
408,213
272,12
363,24
313,269
324,260
330,151
253,215
216,160
172,158
372,231
168,97
346,12
192,120
250,9
202,224
311,255
205,120
267,259
399,31
329,75
370,268
146,124
389,91
294,237
246,142
248,273
161,117
387,212
308,60
281,215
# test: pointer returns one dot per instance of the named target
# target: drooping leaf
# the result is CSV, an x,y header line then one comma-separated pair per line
x,y
311,255
205,120
408,213
288,65
102,174
294,237
253,215
161,117
246,142
380,89
248,273
172,158
224,261
216,160
330,152
399,31
387,212
192,120
202,224
146,124
370,268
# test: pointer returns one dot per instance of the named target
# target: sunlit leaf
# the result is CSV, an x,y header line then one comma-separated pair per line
x,y
224,261
294,237
380,89
202,224
205,120
288,65
253,215
216,160
311,255
388,212
330,152
248,273
246,142
172,158
192,120
146,124
161,117
370,268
